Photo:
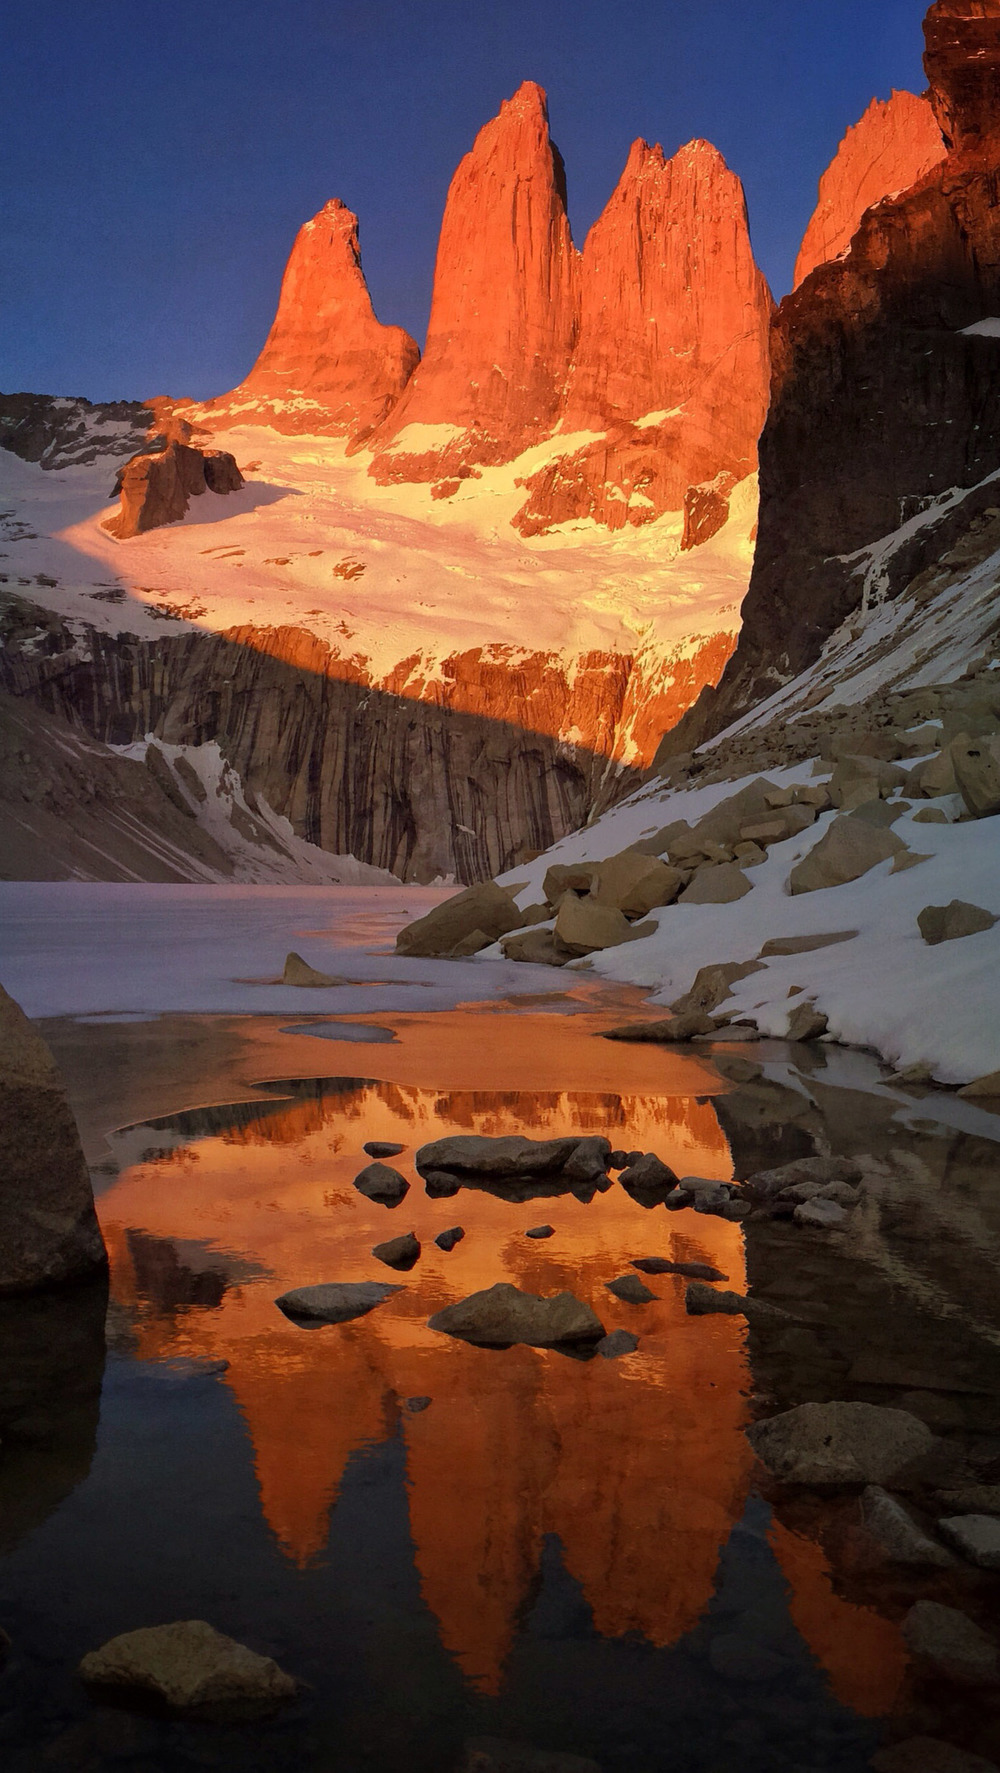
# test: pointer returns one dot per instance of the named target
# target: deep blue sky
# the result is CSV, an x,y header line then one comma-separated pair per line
x,y
157,160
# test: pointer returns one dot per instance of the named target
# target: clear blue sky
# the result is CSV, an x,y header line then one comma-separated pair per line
x,y
157,160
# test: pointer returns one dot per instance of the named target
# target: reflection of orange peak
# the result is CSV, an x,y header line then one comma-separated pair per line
x,y
640,1473
862,1653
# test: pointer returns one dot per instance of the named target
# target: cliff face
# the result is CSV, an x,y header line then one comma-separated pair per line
x,y
504,311
327,366
885,387
670,369
896,142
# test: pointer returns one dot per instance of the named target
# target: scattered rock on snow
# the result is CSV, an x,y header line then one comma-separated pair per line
x,y
584,927
190,1667
335,1302
946,923
720,883
839,1444
635,883
485,907
782,945
976,763
538,947
848,849
501,1315
987,1087
806,1022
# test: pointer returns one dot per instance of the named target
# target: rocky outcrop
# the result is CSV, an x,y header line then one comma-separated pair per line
x,y
895,143
48,1227
157,487
885,394
504,311
328,365
59,433
423,788
670,369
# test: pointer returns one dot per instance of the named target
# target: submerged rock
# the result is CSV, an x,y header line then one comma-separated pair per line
x,y
190,1667
619,1342
299,972
694,1270
503,1314
703,1301
335,1302
839,1443
631,1289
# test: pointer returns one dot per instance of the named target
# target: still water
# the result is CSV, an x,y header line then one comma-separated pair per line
x,y
561,1551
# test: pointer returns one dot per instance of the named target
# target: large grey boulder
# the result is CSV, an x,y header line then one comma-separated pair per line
x,y
725,821
947,923
635,883
848,849
567,877
583,926
501,1315
48,1227
839,1443
334,1302
475,1157
189,1667
976,763
720,883
859,779
485,907
896,1534
537,947
951,1644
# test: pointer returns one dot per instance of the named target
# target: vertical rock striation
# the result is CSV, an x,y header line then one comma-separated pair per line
x,y
670,370
504,310
328,365
895,143
885,386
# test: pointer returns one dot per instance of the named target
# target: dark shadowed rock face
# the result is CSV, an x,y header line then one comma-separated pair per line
x,y
880,399
48,1227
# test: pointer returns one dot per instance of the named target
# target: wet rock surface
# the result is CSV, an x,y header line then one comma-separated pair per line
x,y
336,1302
503,1314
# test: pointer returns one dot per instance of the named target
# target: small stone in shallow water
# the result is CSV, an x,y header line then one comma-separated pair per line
x,y
694,1270
382,1183
382,1148
820,1215
446,1240
631,1289
541,1231
617,1343
416,1405
398,1252
335,1302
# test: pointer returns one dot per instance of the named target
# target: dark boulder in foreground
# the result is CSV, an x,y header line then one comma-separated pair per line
x,y
335,1302
48,1227
502,1315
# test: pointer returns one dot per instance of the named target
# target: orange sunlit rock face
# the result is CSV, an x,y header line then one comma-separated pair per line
x,y
671,367
504,310
895,143
638,1468
328,365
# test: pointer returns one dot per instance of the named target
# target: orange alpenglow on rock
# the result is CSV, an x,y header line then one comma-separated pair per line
x,y
962,63
328,366
504,310
895,143
671,365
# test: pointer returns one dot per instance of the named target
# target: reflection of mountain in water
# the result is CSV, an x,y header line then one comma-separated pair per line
x,y
638,1467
